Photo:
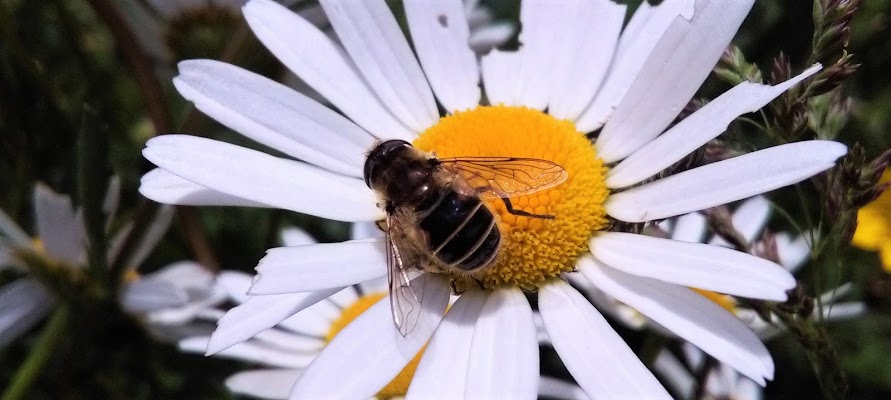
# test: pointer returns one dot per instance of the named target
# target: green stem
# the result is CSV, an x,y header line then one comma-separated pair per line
x,y
823,358
50,338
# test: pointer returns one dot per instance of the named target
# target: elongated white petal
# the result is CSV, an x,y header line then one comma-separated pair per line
x,y
725,181
319,62
501,75
590,36
273,384
371,340
440,33
149,295
554,388
319,266
696,265
483,39
793,253
674,374
504,351
152,236
543,22
274,115
290,342
689,228
697,129
59,227
259,177
442,372
23,304
235,284
259,313
688,315
165,187
292,236
638,39
586,343
253,352
672,73
748,219
370,34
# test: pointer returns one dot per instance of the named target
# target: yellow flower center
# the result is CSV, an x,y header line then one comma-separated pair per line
x,y
874,225
533,250
398,387
723,300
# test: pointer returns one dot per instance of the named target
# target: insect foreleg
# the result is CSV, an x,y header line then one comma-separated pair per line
x,y
510,209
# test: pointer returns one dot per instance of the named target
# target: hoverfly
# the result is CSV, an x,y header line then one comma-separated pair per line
x,y
436,218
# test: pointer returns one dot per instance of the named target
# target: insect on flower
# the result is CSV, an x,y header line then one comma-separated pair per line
x,y
437,220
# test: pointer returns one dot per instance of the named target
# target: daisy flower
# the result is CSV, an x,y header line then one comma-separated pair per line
x,y
164,299
286,349
577,72
874,225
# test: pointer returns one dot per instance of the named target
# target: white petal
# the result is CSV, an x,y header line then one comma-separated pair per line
x,y
485,38
586,343
840,311
639,38
793,254
183,274
259,313
504,351
319,62
501,75
273,384
583,56
165,187
149,295
559,389
251,351
365,230
370,34
608,305
59,227
442,372
697,129
289,341
674,374
292,236
13,231
542,23
689,228
153,234
235,284
696,265
725,181
440,32
319,266
259,177
748,219
274,115
370,350
23,304
689,315
672,73
746,389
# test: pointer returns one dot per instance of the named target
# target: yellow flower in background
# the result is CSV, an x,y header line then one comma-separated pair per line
x,y
874,225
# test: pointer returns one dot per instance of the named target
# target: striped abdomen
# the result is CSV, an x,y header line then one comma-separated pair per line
x,y
461,231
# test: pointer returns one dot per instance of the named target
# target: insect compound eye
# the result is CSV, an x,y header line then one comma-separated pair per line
x,y
382,154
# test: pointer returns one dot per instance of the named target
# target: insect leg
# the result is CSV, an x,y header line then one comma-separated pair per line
x,y
510,209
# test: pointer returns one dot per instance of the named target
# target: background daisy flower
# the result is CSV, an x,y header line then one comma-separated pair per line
x,y
629,83
59,249
874,225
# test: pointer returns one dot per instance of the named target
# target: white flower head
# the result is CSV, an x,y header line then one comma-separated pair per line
x,y
576,62
164,297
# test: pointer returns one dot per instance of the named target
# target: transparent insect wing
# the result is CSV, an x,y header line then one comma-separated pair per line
x,y
406,296
506,176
